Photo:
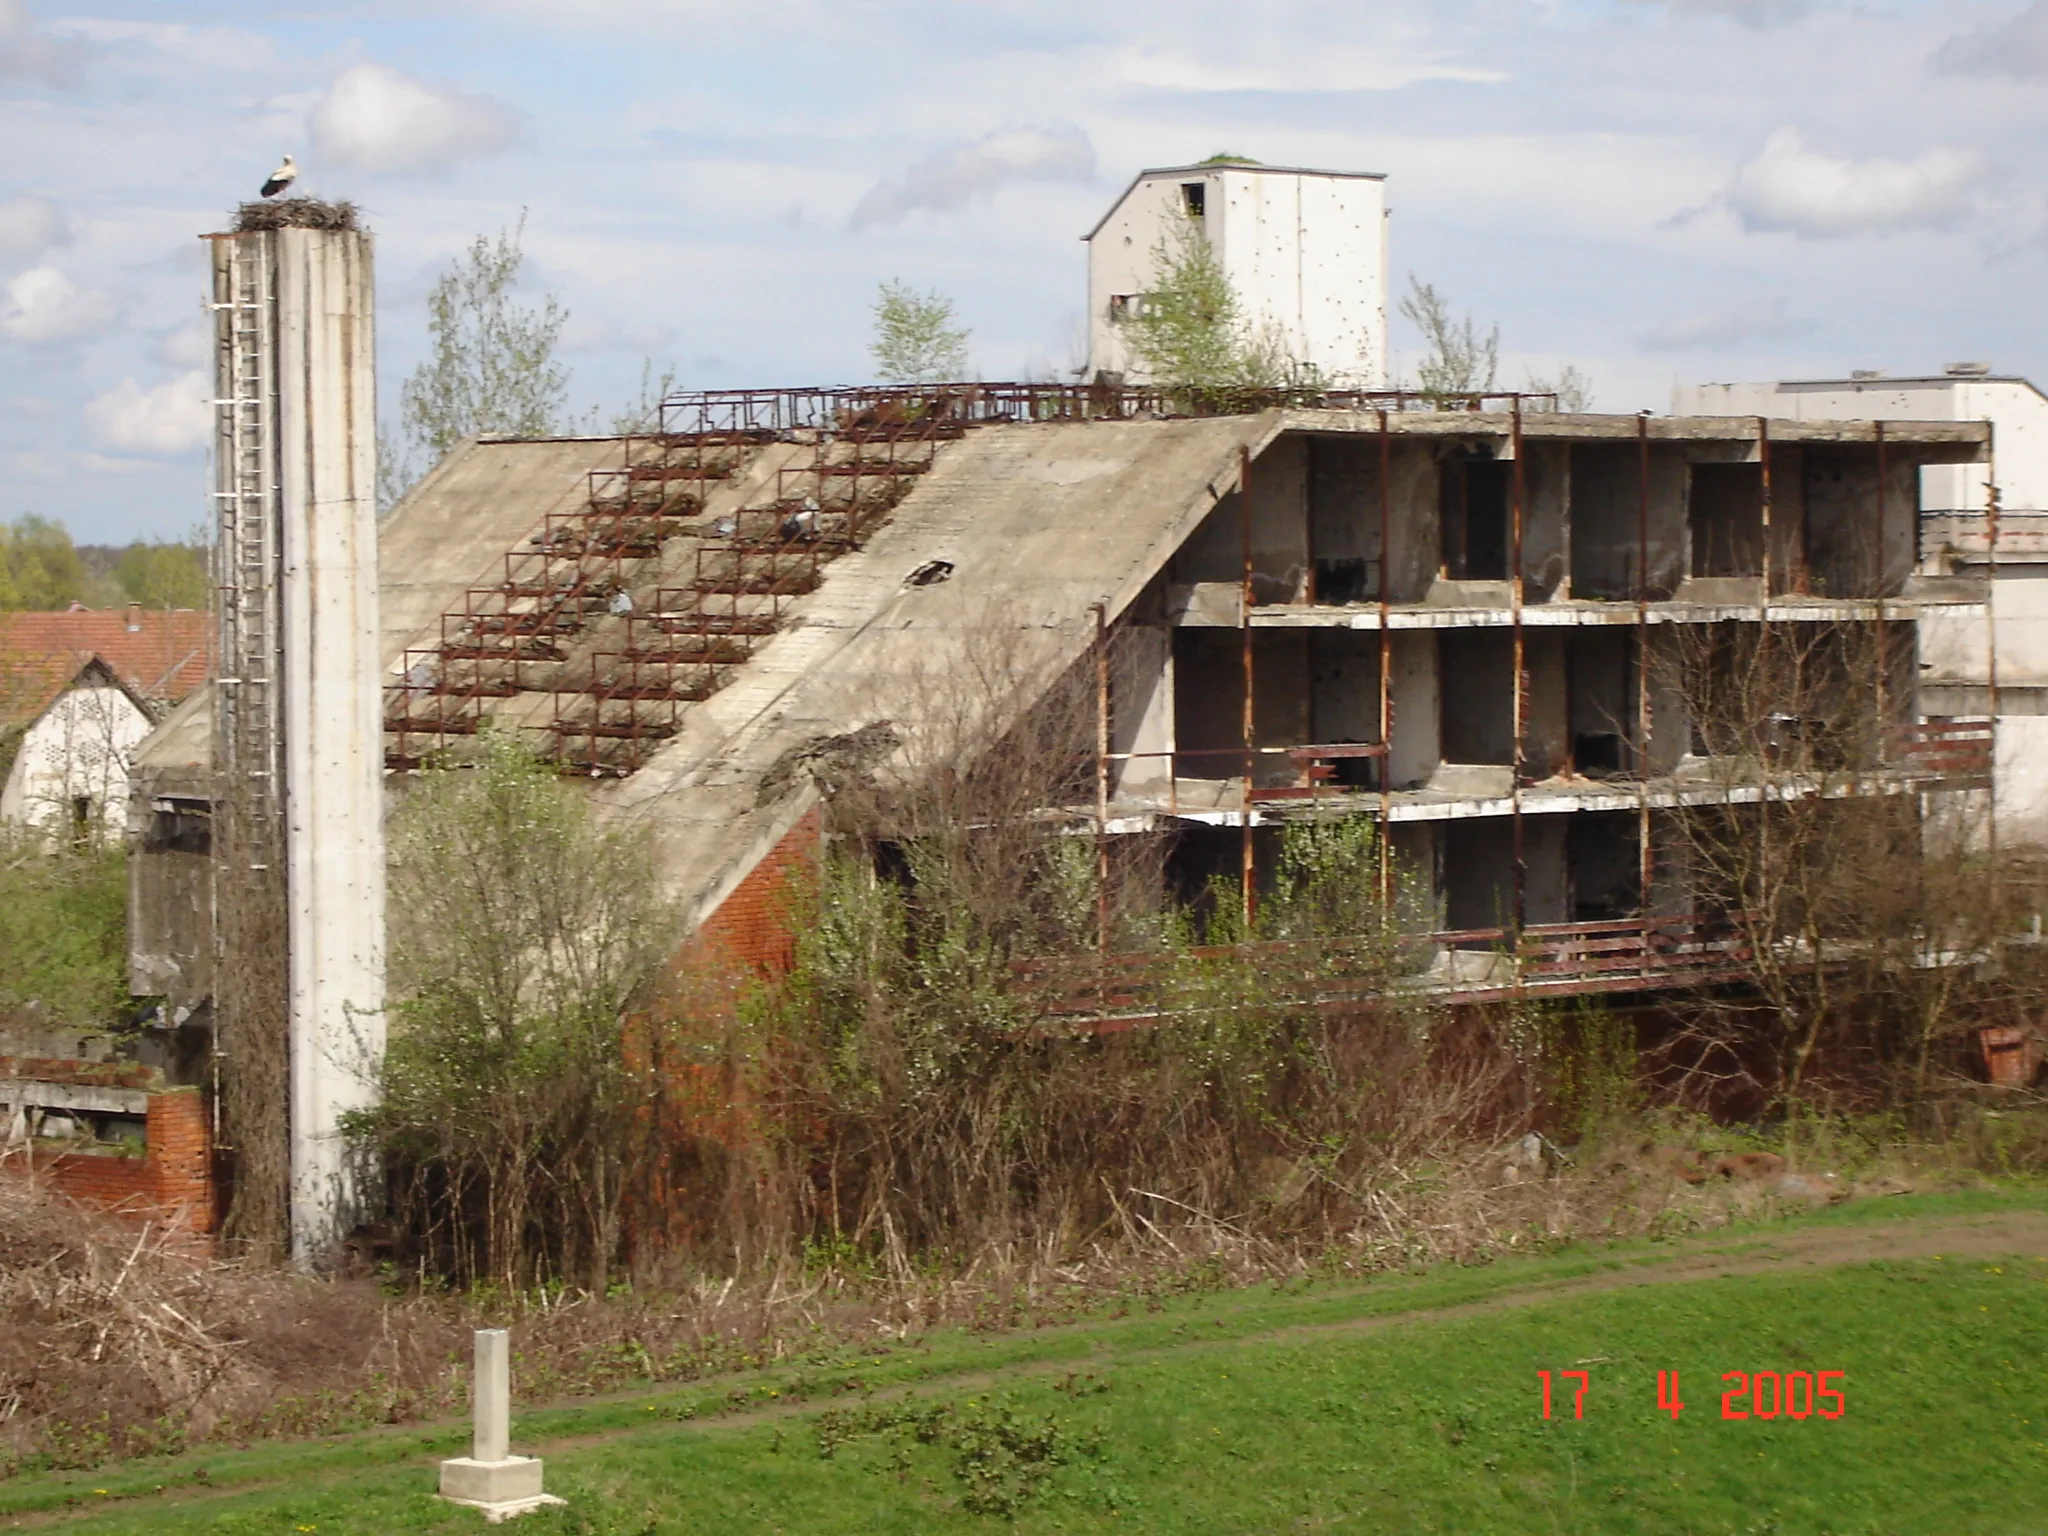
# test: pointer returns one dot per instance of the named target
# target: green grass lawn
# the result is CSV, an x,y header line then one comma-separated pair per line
x,y
1308,1409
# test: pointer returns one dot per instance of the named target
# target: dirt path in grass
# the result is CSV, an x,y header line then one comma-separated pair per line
x,y
1994,1234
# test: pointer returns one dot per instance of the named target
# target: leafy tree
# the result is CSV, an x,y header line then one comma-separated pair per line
x,y
916,341
1190,331
1572,386
164,575
39,567
1459,360
492,367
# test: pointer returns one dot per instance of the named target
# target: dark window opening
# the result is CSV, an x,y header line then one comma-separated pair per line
x,y
179,828
1473,514
1604,866
930,574
1342,581
1726,514
1476,700
1193,197
1599,754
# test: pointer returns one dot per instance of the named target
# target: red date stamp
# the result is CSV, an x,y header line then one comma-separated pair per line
x,y
1754,1395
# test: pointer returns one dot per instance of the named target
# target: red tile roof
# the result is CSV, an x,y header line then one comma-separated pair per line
x,y
161,656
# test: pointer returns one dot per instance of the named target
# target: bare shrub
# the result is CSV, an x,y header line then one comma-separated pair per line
x,y
1869,910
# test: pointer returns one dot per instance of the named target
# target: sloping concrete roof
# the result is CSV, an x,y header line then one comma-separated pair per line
x,y
452,530
1040,524
448,533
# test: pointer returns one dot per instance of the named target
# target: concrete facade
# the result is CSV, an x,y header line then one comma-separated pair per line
x,y
1305,251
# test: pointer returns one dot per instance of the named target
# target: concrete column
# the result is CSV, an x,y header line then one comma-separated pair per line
x,y
492,1439
333,737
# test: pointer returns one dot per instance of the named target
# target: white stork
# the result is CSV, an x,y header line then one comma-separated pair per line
x,y
281,178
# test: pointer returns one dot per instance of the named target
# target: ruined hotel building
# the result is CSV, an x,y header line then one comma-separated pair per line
x,y
1456,617
677,618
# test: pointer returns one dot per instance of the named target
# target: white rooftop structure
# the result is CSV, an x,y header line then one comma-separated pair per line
x,y
1305,250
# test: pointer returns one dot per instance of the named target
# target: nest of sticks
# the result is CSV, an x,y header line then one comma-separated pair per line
x,y
295,213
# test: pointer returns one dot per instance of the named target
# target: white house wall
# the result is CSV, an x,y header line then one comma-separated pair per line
x,y
78,750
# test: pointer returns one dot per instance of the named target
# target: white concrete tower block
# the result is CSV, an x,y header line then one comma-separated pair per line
x,y
332,703
1305,250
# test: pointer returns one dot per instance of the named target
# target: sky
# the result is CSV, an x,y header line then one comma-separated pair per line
x,y
1656,191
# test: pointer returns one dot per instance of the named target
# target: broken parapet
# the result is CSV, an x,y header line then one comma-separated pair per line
x,y
490,1477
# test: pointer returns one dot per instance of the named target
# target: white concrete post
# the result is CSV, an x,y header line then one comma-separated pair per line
x,y
491,1478
492,1440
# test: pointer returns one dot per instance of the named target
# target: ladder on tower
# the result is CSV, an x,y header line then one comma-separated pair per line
x,y
246,549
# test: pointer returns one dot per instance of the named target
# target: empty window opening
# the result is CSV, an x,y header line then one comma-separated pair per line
x,y
1601,684
1476,695
1603,866
1473,514
1125,306
179,826
1478,876
1726,515
1193,198
1345,581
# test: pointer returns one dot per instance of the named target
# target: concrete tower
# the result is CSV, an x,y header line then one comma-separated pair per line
x,y
1306,252
299,845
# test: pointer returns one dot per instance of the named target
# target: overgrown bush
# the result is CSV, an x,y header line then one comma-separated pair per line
x,y
512,1104
63,932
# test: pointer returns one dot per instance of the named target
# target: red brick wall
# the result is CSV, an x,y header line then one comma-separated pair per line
x,y
752,927
172,1180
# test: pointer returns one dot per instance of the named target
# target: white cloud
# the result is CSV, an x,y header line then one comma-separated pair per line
x,y
43,306
374,118
1718,330
583,332
1792,189
189,346
173,418
29,226
950,178
27,53
2016,46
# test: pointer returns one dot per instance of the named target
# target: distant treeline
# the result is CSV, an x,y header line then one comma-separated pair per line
x,y
41,570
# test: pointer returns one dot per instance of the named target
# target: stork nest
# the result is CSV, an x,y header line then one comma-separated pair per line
x,y
295,213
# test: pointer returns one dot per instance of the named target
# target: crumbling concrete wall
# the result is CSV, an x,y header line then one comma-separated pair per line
x,y
1546,722
1546,532
1417,746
